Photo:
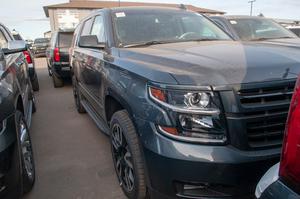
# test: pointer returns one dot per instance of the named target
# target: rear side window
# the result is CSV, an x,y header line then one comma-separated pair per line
x,y
3,41
98,28
86,30
65,39
17,37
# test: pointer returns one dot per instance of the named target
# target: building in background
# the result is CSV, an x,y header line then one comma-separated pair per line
x,y
68,15
47,34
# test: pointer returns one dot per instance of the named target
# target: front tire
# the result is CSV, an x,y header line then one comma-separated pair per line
x,y
35,83
127,156
26,153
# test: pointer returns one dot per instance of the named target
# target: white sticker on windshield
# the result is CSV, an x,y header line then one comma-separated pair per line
x,y
233,22
120,14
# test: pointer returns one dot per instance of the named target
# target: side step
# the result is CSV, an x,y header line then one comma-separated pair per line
x,y
29,114
99,122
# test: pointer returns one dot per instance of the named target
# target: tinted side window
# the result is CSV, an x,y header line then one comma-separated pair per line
x,y
219,23
3,40
86,30
74,40
98,28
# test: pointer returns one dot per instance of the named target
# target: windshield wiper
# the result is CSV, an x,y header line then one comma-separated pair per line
x,y
269,38
203,39
148,43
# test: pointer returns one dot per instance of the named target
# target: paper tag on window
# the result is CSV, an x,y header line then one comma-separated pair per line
x,y
120,14
233,22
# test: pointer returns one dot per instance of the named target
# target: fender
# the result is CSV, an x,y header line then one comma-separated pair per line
x,y
110,92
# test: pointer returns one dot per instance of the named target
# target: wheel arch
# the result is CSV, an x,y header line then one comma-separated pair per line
x,y
113,103
19,104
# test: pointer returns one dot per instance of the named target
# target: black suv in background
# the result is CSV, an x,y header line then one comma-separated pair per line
x,y
58,56
39,46
257,29
17,173
190,113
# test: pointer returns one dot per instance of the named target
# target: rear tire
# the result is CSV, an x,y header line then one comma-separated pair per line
x,y
49,69
25,152
35,83
57,81
77,96
127,156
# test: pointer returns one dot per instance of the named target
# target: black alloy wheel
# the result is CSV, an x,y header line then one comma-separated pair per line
x,y
26,153
127,156
123,158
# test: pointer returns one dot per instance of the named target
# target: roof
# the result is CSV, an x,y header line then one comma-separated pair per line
x,y
111,4
237,17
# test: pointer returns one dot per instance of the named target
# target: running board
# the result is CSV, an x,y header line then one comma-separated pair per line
x,y
99,122
29,114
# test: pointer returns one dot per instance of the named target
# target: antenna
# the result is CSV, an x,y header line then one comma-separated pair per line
x,y
182,7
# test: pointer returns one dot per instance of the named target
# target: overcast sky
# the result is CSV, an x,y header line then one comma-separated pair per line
x,y
28,17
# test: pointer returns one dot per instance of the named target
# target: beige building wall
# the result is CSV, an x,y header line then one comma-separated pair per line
x,y
66,18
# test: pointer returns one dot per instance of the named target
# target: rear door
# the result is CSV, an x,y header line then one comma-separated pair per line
x,y
50,50
86,73
17,68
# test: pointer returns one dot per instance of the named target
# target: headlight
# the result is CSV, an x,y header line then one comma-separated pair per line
x,y
197,114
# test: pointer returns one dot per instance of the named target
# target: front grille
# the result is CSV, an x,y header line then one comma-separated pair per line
x,y
264,109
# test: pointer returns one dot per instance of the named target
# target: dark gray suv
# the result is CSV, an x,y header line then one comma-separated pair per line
x,y
17,171
190,113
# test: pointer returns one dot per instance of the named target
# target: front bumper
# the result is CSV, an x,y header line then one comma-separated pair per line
x,y
185,170
279,190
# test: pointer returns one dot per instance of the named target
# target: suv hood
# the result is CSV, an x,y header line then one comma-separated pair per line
x,y
214,62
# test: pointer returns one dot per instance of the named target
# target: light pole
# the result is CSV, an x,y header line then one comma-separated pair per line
x,y
119,3
251,2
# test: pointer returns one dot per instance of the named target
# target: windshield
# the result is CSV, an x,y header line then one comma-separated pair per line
x,y
259,28
136,27
41,40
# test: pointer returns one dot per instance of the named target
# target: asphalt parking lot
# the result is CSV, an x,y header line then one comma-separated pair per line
x,y
73,158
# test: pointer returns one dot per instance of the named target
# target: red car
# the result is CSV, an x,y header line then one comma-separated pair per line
x,y
282,181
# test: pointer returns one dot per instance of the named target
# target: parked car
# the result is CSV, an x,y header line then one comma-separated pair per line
x,y
295,29
58,56
29,43
39,46
30,61
190,112
17,104
251,28
283,180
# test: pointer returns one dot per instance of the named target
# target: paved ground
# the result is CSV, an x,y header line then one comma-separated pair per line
x,y
73,159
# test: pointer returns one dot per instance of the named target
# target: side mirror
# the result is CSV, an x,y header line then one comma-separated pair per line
x,y
15,47
90,41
